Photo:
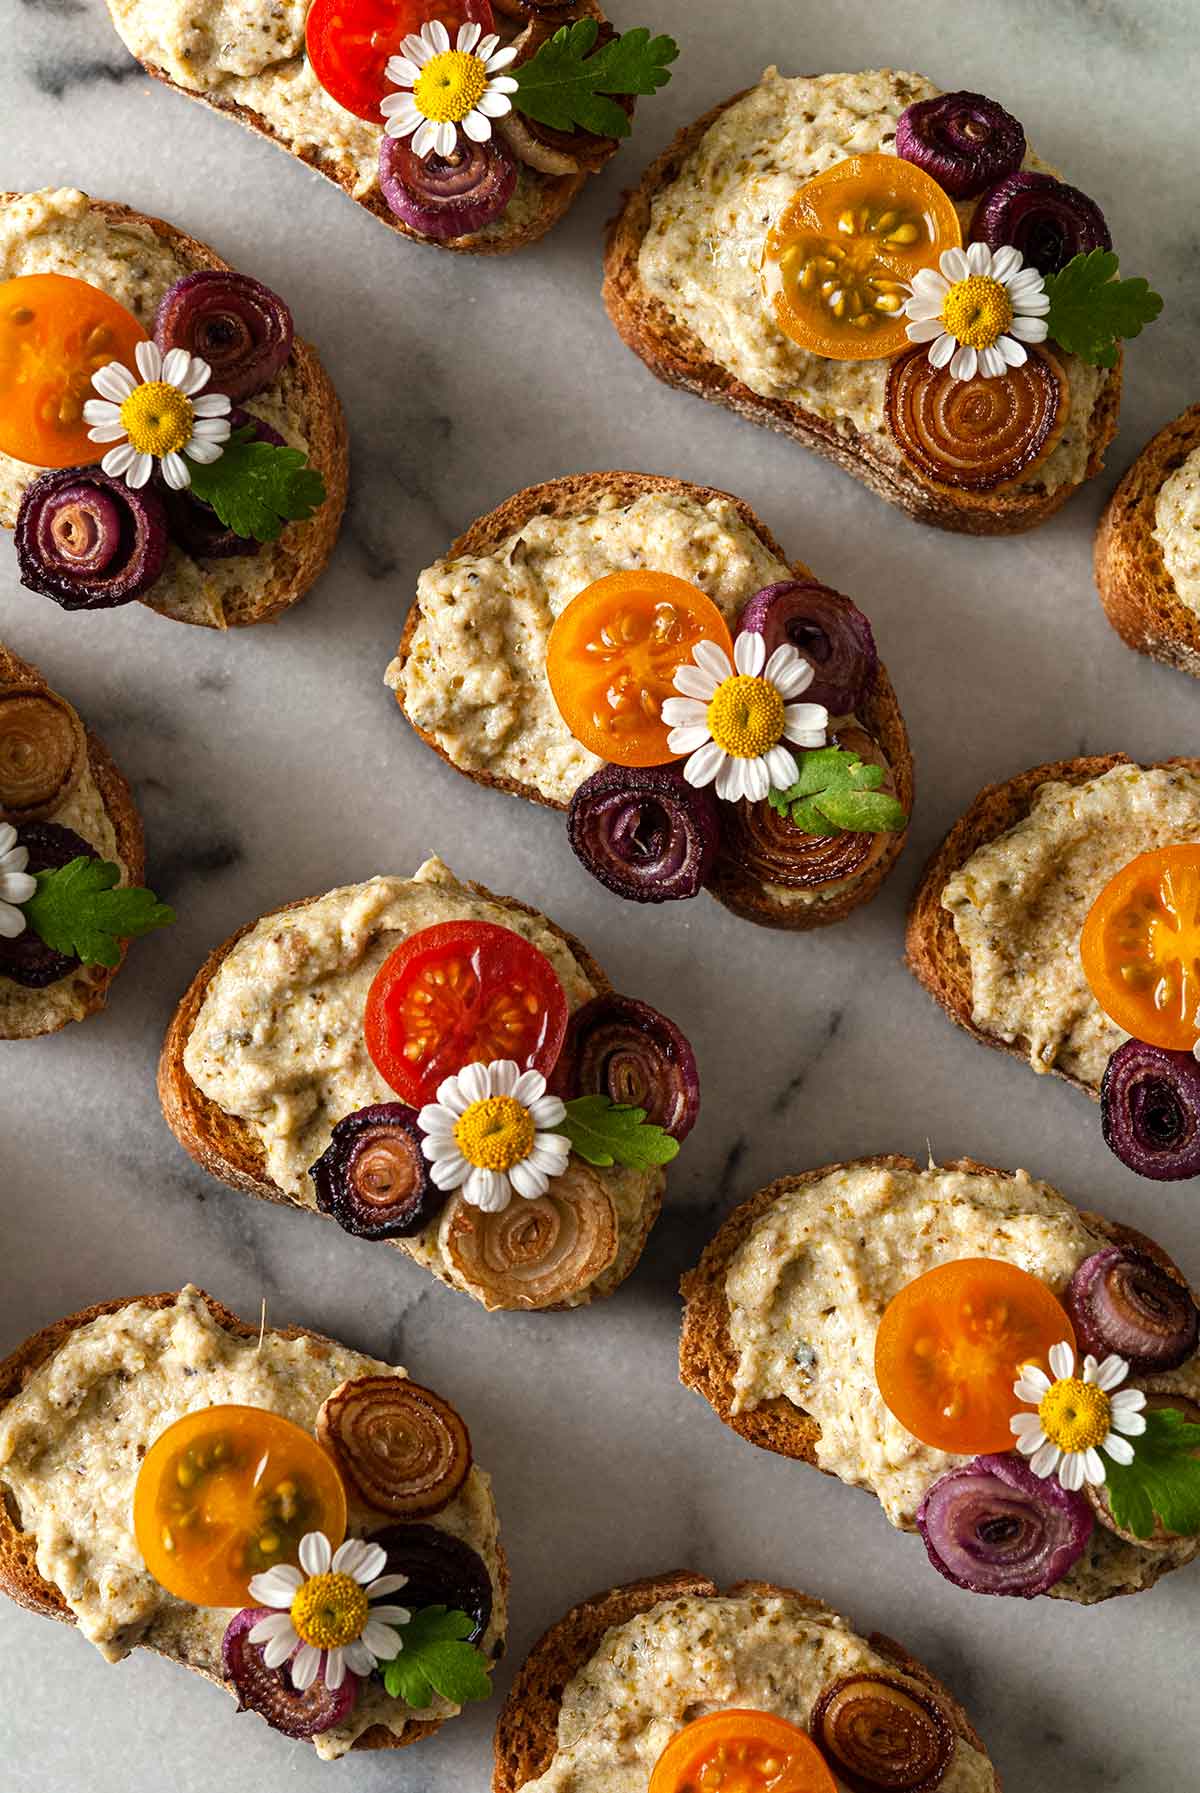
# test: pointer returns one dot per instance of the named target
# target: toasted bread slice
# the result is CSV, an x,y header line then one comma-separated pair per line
x,y
708,1361
25,1013
731,885
527,1730
258,588
1138,593
19,1577
673,352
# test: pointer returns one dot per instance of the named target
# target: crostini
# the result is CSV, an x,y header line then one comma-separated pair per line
x,y
469,124
889,275
174,1479
164,436
982,1356
440,1068
71,861
630,648
646,1685
1147,554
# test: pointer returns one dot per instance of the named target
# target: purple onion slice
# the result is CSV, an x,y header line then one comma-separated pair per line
x,y
27,960
195,526
996,1528
1150,1110
87,540
645,832
447,196
1121,1301
963,140
621,1048
441,1571
269,1691
240,327
1045,219
828,630
372,1176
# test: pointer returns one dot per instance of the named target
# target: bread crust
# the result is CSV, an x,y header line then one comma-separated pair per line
x,y
527,1730
933,952
117,797
282,571
676,356
735,889
1138,594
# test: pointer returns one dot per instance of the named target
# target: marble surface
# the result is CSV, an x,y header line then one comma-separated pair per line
x,y
273,764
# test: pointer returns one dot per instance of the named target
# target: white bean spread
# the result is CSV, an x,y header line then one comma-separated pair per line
x,y
1177,529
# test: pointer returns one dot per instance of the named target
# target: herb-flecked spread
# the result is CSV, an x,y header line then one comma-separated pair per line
x,y
1177,529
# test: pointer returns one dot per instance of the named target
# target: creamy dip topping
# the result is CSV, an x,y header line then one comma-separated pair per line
x,y
59,231
686,1658
702,252
72,1442
1177,529
1020,902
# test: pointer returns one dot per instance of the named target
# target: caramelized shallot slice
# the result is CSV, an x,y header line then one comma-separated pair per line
x,y
270,1692
1121,1301
42,752
976,435
400,1448
878,1730
540,1253
621,1048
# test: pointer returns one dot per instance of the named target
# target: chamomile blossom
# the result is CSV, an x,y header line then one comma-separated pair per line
x,y
328,1620
489,1134
1077,1417
733,721
164,417
439,88
977,309
16,884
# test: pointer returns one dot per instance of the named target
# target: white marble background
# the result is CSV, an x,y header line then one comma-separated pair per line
x,y
272,764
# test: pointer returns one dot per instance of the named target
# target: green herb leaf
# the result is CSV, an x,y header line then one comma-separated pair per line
x,y
837,791
604,1132
1091,310
257,487
77,909
1162,1480
434,1658
564,84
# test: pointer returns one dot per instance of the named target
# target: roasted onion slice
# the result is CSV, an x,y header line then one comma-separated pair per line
x,y
27,959
1150,1110
540,1253
373,1177
645,832
446,196
619,1047
1049,222
976,435
269,1691
761,843
1160,1538
440,1570
238,325
89,541
964,140
542,146
996,1528
43,749
877,1730
1119,1300
400,1448
828,630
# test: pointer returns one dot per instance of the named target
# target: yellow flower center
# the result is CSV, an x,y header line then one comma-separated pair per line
x,y
1075,1414
745,716
496,1133
158,418
977,311
330,1611
449,86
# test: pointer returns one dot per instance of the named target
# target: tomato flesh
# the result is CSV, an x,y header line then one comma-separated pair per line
x,y
1140,947
461,993
740,1751
349,42
55,333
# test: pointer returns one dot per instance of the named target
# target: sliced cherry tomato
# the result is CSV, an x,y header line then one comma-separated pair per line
x,y
55,333
226,1492
741,1752
349,42
951,1344
462,993
836,265
1140,947
613,654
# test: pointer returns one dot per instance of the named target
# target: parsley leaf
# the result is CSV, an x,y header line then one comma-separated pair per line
x,y
433,1658
604,1132
257,487
563,85
1090,309
837,791
77,909
1162,1480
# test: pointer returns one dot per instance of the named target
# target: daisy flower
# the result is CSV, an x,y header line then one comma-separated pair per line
x,y
488,1134
16,884
163,417
442,88
327,1614
1077,1417
733,720
979,311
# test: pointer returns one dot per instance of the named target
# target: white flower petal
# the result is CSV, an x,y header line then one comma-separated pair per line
x,y
686,740
139,470
117,460
1119,1449
391,1615
953,264
803,722
1032,1383
358,1658
1128,1400
684,712
494,104
17,887
149,360
504,1073
449,1173
979,258
383,1641
926,330
1005,262
474,1083
1027,1425
425,138
1071,1471
447,138
211,404
528,1180
749,653
991,363
176,367
782,770
530,1087
1062,1360
1093,1467
964,362
401,71
488,1190
451,1096
436,34
501,59
276,1653
315,1554
1045,1460
704,764
276,1624
305,1665
335,1669
468,36
1012,351
713,660
695,683
106,432
276,1587
113,381
548,1112
941,350
476,126
386,1584
175,472
1109,1373
1028,329
1131,1423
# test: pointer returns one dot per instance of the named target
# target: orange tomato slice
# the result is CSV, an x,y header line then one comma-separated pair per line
x,y
613,655
835,267
1140,947
55,333
951,1344
740,1751
228,1491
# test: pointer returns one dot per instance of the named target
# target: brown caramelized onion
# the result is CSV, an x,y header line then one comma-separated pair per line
x,y
1160,1538
539,145
976,435
400,1448
42,752
760,842
879,1731
537,1253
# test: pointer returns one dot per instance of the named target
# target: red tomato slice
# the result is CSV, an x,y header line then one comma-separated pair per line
x,y
462,993
349,42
